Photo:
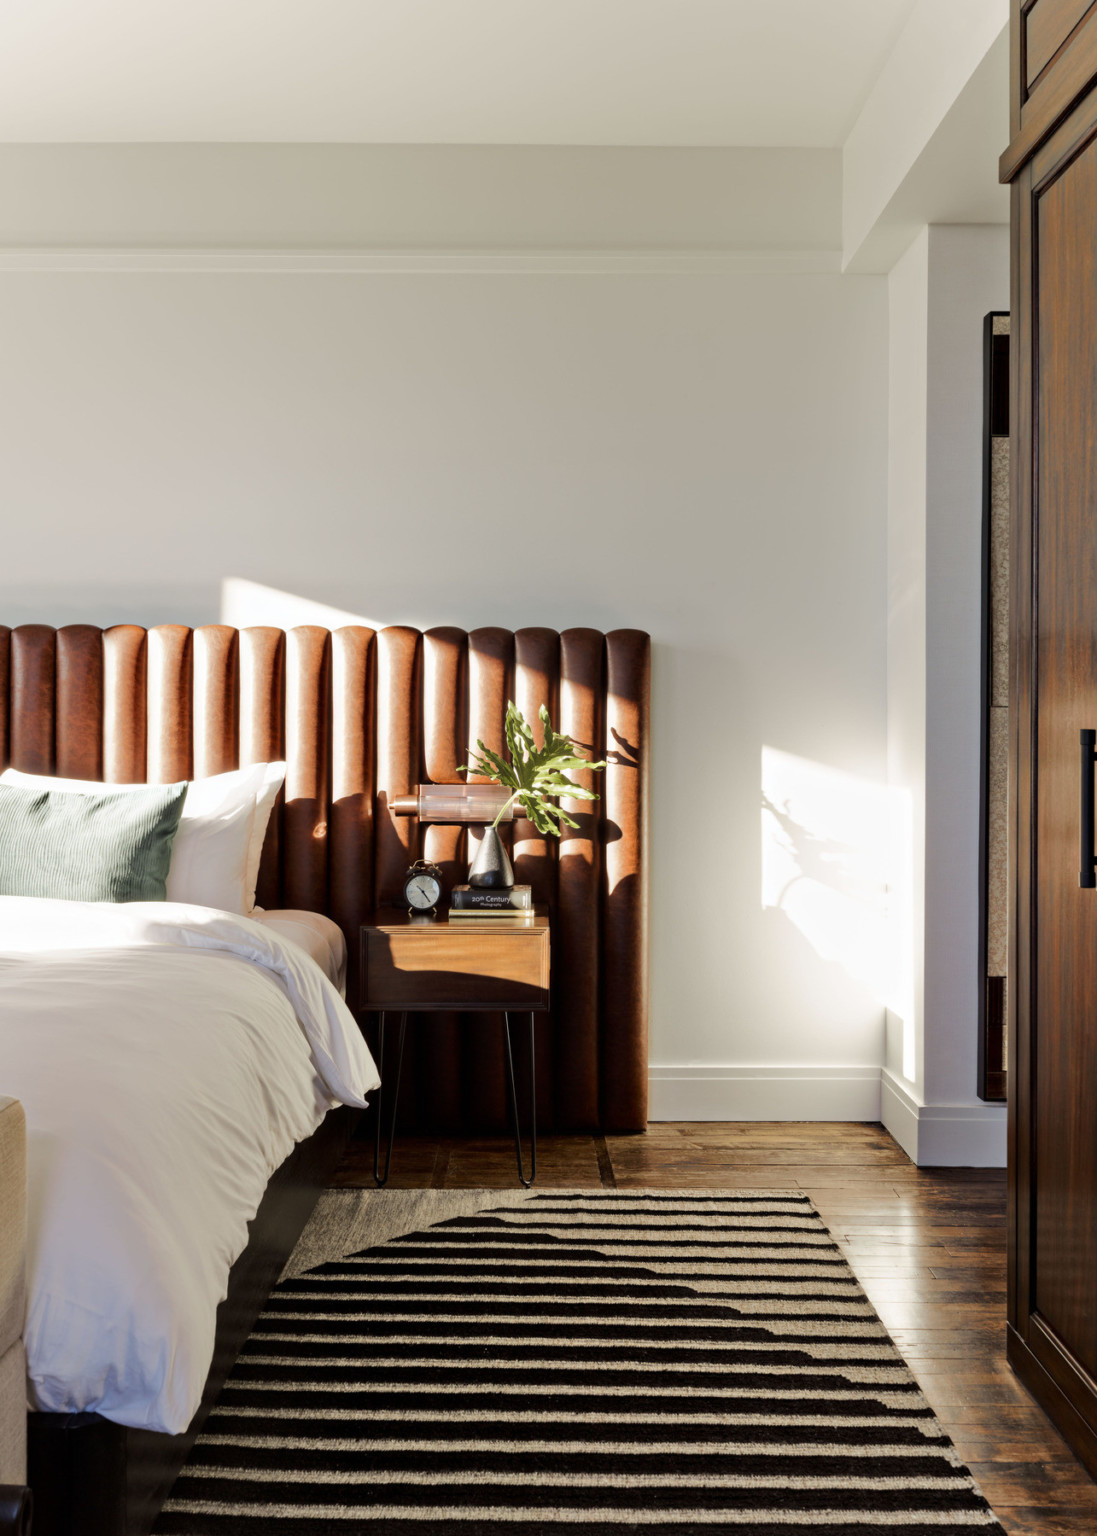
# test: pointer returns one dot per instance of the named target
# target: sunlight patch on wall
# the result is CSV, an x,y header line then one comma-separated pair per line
x,y
831,862
246,603
900,999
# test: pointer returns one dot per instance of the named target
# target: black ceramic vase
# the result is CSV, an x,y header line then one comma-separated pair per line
x,y
491,868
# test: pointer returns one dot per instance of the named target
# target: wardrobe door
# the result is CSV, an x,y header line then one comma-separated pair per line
x,y
1064,1065
1053,1296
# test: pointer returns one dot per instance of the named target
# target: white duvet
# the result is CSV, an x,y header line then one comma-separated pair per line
x,y
168,1058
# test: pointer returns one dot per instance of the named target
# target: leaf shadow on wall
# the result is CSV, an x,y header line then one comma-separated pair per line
x,y
827,851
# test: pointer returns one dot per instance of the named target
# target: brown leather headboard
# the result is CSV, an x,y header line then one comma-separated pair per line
x,y
362,717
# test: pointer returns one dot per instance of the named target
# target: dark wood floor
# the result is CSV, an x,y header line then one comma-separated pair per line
x,y
928,1245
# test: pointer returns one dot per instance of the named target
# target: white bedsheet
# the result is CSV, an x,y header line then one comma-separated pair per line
x,y
168,1058
317,935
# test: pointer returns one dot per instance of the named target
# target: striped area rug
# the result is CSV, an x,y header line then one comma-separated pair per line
x,y
611,1363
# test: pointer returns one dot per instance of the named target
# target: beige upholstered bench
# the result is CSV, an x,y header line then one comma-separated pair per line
x,y
13,1364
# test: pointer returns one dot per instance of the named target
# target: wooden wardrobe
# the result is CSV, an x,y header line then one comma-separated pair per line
x,y
1052,165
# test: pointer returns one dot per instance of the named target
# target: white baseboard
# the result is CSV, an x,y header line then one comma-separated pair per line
x,y
969,1135
763,1093
934,1135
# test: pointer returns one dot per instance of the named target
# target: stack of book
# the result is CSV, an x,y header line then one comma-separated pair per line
x,y
476,901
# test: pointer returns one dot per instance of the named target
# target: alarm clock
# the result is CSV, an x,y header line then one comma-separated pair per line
x,y
423,888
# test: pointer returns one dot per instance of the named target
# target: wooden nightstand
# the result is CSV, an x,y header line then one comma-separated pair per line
x,y
431,965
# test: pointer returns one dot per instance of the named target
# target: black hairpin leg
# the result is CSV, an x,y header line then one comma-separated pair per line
x,y
379,1106
532,1105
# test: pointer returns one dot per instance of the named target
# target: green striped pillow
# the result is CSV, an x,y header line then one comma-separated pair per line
x,y
77,847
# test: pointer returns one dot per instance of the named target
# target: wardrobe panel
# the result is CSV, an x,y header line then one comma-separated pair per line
x,y
1052,1072
1065,1063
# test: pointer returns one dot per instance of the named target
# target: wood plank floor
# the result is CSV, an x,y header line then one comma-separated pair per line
x,y
928,1245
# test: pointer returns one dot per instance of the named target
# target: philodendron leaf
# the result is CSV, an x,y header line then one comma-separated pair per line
x,y
519,737
518,729
491,766
538,777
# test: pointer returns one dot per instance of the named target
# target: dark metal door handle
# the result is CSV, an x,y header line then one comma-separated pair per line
x,y
1087,872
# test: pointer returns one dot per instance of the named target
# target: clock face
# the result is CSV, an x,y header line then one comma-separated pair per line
x,y
422,892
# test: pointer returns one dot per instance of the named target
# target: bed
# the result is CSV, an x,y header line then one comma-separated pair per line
x,y
169,1060
359,718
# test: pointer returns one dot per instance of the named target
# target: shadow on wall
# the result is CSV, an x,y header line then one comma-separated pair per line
x,y
836,863
104,604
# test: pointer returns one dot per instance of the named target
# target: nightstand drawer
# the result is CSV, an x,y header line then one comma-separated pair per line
x,y
459,964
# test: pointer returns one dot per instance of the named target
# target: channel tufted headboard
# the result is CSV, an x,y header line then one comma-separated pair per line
x,y
362,717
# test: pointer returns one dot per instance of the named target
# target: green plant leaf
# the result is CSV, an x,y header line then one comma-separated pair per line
x,y
537,776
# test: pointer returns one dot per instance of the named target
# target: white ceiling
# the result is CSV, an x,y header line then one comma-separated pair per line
x,y
610,72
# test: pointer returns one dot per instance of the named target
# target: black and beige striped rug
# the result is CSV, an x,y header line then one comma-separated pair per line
x,y
597,1361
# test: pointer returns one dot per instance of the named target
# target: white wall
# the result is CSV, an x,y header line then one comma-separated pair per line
x,y
703,456
908,398
303,196
652,353
954,179
939,293
935,72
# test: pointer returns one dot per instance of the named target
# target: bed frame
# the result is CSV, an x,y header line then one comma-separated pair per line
x,y
361,718
92,1477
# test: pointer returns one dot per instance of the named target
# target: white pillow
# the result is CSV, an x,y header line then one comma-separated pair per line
x,y
215,857
209,863
274,776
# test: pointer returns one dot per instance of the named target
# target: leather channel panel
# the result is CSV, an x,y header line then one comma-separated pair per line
x,y
79,731
445,737
490,668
